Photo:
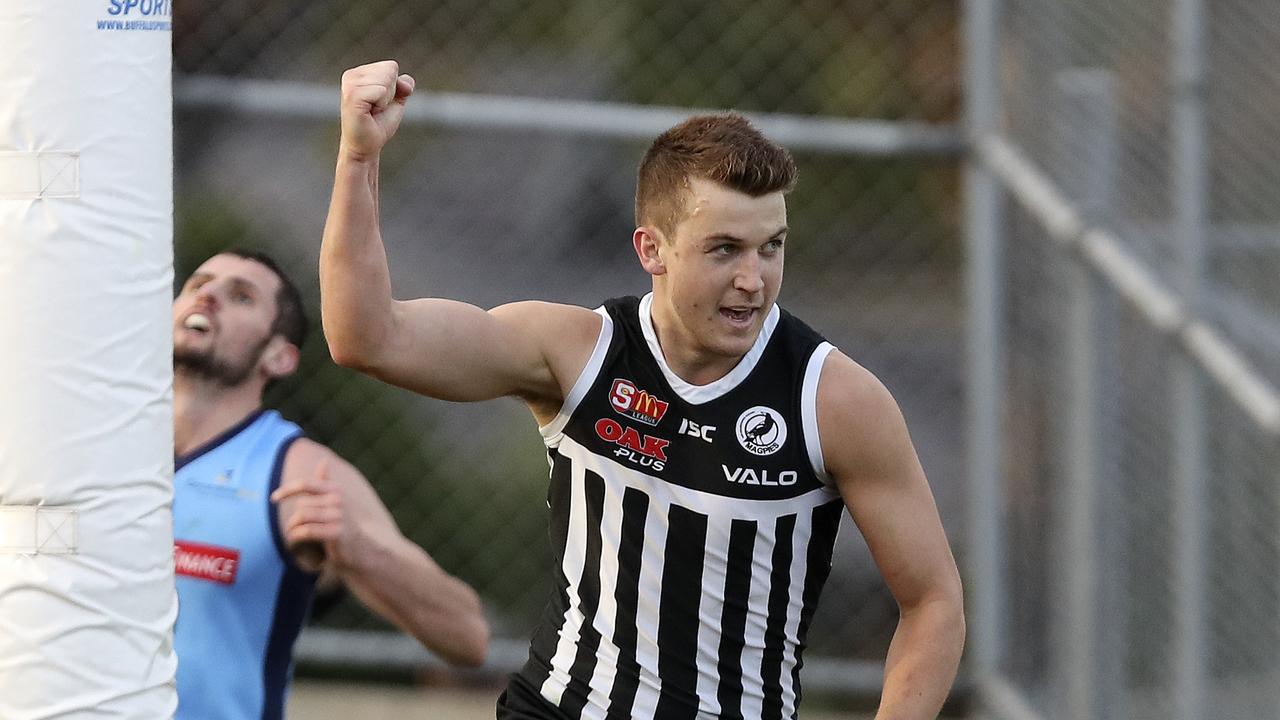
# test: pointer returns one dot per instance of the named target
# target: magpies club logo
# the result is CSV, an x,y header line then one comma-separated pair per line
x,y
761,430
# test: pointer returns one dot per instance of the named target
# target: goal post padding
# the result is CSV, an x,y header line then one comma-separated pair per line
x,y
86,433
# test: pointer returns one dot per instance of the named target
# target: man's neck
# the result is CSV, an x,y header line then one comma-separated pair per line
x,y
203,410
690,363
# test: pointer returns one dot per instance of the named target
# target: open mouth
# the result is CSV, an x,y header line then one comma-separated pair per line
x,y
738,316
198,322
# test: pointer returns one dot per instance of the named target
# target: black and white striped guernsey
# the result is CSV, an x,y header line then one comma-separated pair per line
x,y
692,528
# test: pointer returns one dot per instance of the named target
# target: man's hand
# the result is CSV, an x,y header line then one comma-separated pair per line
x,y
373,98
331,519
316,525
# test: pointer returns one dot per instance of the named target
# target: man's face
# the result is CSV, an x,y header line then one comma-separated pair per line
x,y
724,265
222,319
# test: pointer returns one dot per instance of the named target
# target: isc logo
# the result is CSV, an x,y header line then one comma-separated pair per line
x,y
635,403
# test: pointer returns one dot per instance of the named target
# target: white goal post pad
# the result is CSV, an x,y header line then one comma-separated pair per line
x,y
87,597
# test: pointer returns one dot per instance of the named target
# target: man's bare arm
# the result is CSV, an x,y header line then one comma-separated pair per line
x,y
356,301
326,503
869,454
437,347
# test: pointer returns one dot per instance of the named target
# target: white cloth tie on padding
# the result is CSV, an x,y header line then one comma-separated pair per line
x,y
37,530
35,175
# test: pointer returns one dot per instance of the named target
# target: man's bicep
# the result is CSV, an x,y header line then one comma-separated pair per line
x,y
899,520
868,451
456,351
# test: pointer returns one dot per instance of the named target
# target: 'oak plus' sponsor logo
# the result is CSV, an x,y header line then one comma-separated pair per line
x,y
642,450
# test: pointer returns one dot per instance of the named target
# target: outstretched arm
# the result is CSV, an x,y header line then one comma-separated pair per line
x,y
325,502
869,454
437,347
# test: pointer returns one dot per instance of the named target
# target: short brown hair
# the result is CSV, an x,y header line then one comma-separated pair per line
x,y
291,317
724,148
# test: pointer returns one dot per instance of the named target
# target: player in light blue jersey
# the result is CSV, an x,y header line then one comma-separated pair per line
x,y
261,512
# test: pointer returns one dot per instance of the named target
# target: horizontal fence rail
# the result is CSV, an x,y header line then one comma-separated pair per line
x,y
295,100
326,648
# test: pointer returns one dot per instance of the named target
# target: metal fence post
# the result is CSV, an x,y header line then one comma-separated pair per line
x,y
985,552
1084,627
1190,197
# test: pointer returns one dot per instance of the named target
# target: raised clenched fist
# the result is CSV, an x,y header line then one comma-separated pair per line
x,y
373,98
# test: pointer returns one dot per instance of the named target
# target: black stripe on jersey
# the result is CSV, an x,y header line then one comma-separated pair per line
x,y
678,614
635,508
733,623
293,599
776,631
547,635
826,521
575,694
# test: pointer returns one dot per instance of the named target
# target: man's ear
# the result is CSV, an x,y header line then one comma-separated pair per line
x,y
647,241
280,358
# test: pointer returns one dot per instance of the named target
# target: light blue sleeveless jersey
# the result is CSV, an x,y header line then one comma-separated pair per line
x,y
241,600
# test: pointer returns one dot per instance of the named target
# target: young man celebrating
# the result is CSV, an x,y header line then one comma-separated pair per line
x,y
703,441
259,509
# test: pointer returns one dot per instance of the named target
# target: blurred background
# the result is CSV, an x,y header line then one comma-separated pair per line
x,y
1049,226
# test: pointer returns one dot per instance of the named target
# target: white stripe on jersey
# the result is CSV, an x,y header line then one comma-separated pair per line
x,y
648,603
551,432
809,410
714,573
795,605
575,552
757,621
606,619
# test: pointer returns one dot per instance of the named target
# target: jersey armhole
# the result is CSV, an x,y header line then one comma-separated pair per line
x,y
809,410
273,510
553,431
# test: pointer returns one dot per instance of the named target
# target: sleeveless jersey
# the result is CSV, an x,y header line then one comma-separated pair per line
x,y
692,529
241,600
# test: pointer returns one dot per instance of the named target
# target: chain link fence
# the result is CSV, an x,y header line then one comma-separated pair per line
x,y
821,57
491,215
1134,533
1140,503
